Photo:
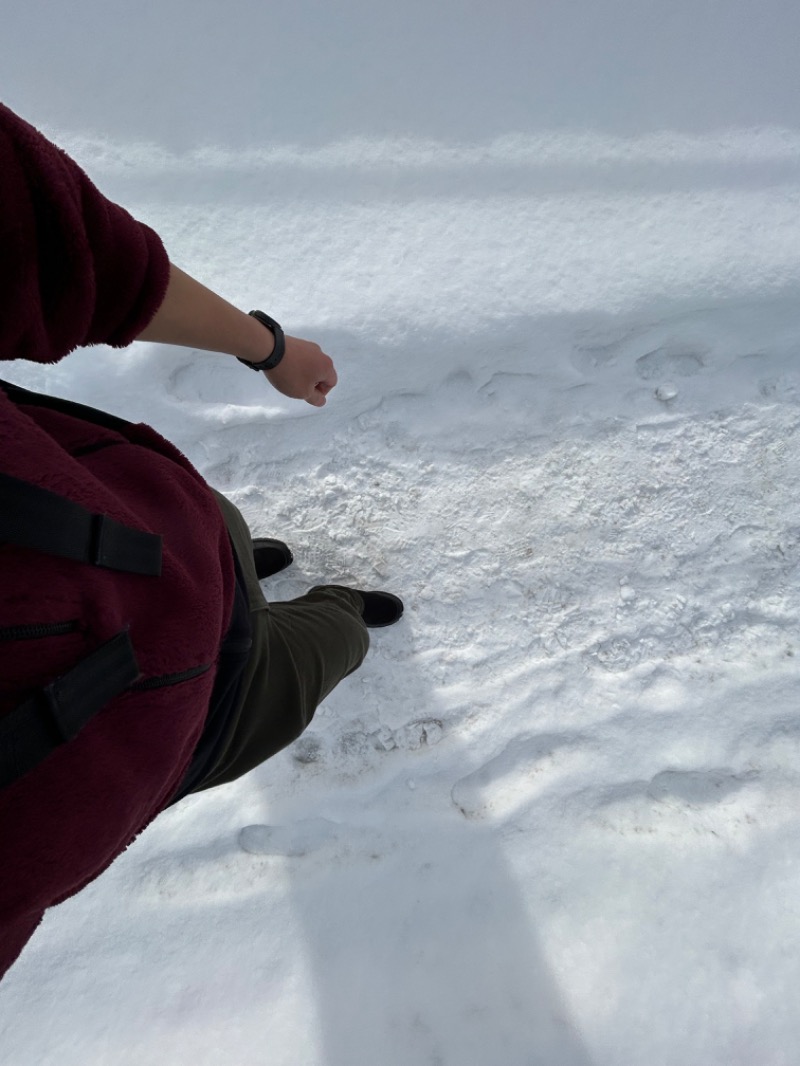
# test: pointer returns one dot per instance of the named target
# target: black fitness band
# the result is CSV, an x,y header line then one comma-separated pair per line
x,y
280,343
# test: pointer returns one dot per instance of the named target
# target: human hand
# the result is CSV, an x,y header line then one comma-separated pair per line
x,y
196,317
304,373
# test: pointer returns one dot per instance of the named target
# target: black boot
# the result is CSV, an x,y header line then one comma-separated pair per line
x,y
270,556
380,608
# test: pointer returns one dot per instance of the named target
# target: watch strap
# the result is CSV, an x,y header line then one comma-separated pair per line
x,y
280,343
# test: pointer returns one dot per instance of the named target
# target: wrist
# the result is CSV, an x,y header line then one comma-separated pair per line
x,y
266,359
257,343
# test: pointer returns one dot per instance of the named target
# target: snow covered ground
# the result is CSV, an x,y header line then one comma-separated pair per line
x,y
554,818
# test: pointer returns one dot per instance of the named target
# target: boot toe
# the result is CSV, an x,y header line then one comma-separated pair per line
x,y
270,556
380,609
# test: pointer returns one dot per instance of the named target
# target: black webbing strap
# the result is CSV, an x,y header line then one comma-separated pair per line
x,y
32,517
18,395
58,712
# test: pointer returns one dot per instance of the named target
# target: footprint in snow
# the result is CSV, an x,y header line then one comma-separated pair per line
x,y
702,803
695,788
670,361
292,841
617,653
358,747
508,781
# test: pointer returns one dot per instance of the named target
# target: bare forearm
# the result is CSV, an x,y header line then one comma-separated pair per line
x,y
196,317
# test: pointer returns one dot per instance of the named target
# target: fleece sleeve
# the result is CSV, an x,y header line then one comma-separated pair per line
x,y
75,268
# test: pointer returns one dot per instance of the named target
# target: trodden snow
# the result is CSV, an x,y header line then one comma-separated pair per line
x,y
554,818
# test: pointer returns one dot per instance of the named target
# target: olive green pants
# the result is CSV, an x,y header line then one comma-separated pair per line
x,y
301,650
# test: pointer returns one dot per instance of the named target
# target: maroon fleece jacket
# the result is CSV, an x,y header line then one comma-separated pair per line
x,y
76,269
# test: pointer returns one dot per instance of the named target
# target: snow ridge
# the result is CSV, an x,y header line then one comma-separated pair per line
x,y
585,149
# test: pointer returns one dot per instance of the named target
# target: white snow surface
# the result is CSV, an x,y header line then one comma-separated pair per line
x,y
554,817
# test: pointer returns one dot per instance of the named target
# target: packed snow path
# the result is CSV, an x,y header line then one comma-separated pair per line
x,y
554,817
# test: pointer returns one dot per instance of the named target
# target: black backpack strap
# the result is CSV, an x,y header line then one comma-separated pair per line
x,y
32,517
18,395
59,711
